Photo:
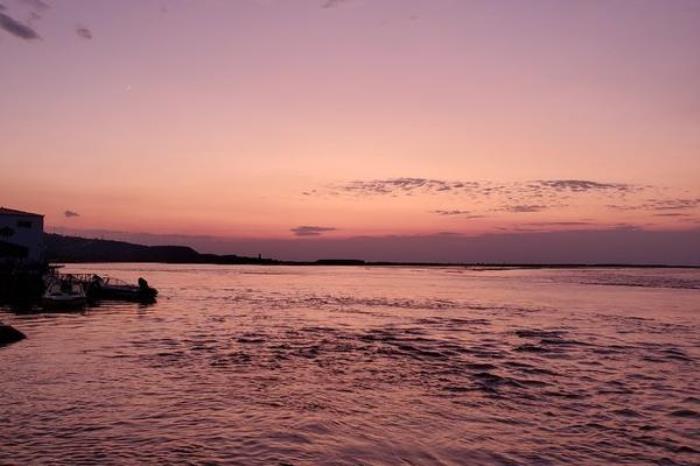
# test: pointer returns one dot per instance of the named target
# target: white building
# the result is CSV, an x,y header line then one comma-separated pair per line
x,y
21,236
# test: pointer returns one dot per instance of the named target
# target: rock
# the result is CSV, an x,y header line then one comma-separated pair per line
x,y
9,334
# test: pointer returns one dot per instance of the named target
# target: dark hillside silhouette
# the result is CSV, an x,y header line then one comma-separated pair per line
x,y
61,248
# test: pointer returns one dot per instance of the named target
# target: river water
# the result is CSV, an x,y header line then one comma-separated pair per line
x,y
356,365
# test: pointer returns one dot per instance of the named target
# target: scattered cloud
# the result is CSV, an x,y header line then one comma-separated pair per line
x,y
17,28
307,230
37,5
624,207
517,197
70,213
524,208
83,32
332,3
537,188
626,226
579,186
451,212
660,204
404,185
35,9
671,214
578,223
674,204
457,213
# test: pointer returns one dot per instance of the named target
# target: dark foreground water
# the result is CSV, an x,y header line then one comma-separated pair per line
x,y
326,365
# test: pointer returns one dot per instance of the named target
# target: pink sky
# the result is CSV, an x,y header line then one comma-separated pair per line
x,y
362,117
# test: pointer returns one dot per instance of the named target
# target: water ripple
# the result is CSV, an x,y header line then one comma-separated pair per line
x,y
356,367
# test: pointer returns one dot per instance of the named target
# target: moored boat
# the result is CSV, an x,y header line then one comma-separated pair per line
x,y
64,294
113,288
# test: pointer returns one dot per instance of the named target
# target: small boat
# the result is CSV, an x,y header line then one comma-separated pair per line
x,y
64,294
113,288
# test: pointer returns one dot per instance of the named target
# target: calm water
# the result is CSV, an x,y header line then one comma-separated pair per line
x,y
329,365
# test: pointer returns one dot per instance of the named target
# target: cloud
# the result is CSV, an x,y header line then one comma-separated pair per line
x,y
660,205
37,5
332,3
36,9
515,197
524,208
536,188
674,204
306,230
579,186
624,207
83,32
461,213
405,185
16,28
70,213
671,214
451,212
560,224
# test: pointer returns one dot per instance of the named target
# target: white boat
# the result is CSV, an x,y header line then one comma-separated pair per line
x,y
64,294
113,288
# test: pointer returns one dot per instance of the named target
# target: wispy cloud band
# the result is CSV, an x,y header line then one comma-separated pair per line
x,y
16,28
408,185
309,230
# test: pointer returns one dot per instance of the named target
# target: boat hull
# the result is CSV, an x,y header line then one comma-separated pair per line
x,y
64,303
123,293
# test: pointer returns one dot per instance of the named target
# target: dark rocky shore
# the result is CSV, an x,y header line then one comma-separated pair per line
x,y
9,334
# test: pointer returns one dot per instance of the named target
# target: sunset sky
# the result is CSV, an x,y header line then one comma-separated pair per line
x,y
335,119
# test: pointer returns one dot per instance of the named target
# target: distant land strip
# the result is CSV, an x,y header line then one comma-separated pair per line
x,y
73,249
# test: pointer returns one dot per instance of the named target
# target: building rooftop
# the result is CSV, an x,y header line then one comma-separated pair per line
x,y
6,211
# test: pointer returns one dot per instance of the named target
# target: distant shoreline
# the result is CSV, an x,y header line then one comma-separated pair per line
x,y
354,263
62,249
